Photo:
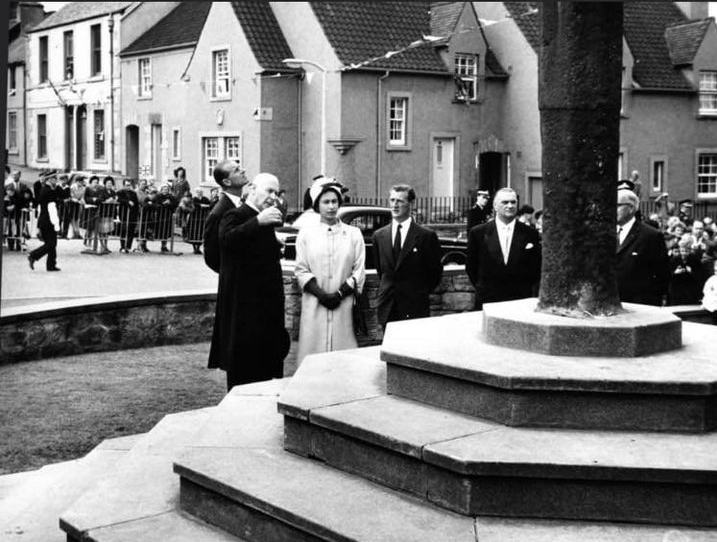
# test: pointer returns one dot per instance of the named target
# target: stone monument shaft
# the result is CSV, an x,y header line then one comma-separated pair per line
x,y
579,96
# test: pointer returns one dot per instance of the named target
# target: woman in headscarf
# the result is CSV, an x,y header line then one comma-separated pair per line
x,y
329,268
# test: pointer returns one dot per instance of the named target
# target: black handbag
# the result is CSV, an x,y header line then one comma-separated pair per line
x,y
360,301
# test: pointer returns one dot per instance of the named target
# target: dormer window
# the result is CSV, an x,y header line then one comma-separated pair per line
x,y
708,93
466,77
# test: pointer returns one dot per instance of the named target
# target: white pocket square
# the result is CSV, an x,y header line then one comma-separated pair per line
x,y
529,246
634,254
415,249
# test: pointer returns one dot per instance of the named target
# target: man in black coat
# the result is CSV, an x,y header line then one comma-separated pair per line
x,y
49,225
232,179
408,262
642,263
250,340
504,258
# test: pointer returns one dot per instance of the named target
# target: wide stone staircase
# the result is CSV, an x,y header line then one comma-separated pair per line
x,y
437,435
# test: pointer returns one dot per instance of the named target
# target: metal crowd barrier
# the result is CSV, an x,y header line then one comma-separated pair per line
x,y
16,229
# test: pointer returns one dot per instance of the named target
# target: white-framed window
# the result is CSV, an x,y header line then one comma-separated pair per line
x,y
69,50
12,80
658,173
466,76
218,147
399,118
176,143
42,137
144,86
99,134
44,66
96,49
707,175
221,74
232,151
708,93
12,130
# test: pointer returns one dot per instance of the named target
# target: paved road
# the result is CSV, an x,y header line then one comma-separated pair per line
x,y
89,275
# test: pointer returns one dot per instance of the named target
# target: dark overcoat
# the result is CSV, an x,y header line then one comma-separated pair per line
x,y
405,285
643,266
493,279
249,335
211,231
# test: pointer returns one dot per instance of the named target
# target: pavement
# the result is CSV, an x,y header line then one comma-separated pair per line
x,y
90,275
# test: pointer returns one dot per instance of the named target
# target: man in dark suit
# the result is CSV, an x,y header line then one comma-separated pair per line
x,y
503,260
408,262
232,179
642,263
250,340
49,225
480,211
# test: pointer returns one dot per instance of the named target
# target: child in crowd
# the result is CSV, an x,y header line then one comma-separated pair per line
x,y
709,301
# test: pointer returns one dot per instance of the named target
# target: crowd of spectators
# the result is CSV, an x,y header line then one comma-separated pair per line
x,y
95,209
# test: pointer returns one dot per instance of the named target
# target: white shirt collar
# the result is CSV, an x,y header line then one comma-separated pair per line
x,y
626,226
250,204
236,200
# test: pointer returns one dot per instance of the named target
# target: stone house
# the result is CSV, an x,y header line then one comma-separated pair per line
x,y
668,129
72,89
205,83
381,93
22,16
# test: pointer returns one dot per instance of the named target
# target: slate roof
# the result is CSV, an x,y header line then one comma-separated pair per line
x,y
644,30
181,27
361,31
444,17
684,39
264,35
17,50
527,18
79,11
644,27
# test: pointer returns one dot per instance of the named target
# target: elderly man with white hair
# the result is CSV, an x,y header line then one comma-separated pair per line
x,y
249,340
642,263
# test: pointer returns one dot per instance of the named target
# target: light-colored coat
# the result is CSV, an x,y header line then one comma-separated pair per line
x,y
334,255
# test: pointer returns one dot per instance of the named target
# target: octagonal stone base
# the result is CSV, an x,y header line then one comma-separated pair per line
x,y
641,330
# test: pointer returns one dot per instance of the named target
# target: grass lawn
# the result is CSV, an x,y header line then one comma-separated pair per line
x,y
59,409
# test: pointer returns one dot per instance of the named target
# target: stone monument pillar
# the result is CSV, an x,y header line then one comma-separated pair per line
x,y
579,96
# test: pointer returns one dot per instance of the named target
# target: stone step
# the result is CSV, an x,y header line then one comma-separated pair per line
x,y
670,391
478,467
236,476
137,498
30,511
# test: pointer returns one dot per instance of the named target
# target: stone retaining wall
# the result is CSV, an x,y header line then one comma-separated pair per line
x,y
134,321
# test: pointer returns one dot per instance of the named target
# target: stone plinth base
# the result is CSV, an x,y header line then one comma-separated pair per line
x,y
446,363
641,330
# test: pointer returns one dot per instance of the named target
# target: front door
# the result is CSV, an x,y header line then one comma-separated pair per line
x,y
69,137
442,185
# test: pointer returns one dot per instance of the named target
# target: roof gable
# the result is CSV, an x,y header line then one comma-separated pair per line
x,y
380,35
180,27
80,11
264,34
683,40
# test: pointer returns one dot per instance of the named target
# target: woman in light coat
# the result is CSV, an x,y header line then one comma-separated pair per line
x,y
330,258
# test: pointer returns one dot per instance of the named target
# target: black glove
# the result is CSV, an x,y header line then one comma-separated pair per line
x,y
330,301
345,290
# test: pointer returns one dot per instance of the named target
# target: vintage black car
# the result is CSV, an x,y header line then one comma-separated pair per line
x,y
368,219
